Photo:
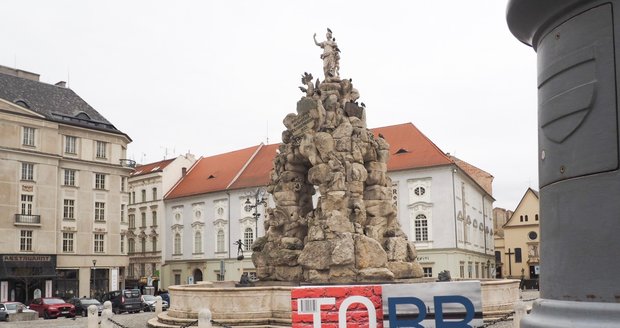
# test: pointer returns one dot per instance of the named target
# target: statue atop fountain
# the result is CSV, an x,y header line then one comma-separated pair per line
x,y
353,233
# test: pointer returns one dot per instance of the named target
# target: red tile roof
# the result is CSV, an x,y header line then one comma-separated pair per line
x,y
250,167
410,148
257,172
214,173
151,167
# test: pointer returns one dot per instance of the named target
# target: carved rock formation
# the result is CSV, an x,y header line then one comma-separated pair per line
x,y
353,233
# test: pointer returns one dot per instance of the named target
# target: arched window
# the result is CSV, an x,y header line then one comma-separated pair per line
x,y
421,228
248,238
177,243
197,242
221,241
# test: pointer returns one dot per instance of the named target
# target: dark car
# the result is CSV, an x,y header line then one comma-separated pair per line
x,y
126,300
82,304
52,307
165,296
149,303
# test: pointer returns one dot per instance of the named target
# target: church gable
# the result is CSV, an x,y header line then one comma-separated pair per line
x,y
527,211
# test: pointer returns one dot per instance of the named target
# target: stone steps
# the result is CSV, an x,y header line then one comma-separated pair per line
x,y
163,320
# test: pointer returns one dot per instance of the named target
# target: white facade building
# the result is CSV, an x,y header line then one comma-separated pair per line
x,y
444,205
142,229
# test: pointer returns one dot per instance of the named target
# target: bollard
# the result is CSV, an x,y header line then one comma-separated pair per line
x,y
520,312
93,316
158,305
106,314
204,318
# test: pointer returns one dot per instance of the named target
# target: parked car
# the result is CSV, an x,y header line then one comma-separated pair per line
x,y
82,304
9,308
165,296
52,307
149,302
126,300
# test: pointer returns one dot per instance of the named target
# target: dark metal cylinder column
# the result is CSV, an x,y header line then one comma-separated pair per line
x,y
577,49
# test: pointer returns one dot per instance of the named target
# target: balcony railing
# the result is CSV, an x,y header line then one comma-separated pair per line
x,y
127,162
27,219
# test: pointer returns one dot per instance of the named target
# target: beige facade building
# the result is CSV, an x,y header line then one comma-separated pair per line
x,y
148,184
519,248
62,180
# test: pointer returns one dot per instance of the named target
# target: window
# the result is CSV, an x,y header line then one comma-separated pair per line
x,y
132,270
462,269
143,241
99,181
28,171
143,195
521,218
69,177
197,242
498,257
122,244
132,245
68,209
154,193
477,267
70,144
469,269
142,269
28,139
421,228
26,204
532,235
99,211
248,238
428,272
526,218
221,238
536,217
132,221
122,212
154,241
101,149
98,247
177,243
419,191
123,182
177,278
518,255
132,198
67,242
154,218
143,214
25,240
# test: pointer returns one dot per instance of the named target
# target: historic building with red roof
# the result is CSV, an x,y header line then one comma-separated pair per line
x,y
444,205
142,233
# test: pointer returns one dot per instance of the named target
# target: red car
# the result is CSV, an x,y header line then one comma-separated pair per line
x,y
52,307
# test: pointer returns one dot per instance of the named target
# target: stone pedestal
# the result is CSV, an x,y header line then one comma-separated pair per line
x,y
578,155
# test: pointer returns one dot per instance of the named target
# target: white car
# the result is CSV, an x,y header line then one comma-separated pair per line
x,y
8,308
148,303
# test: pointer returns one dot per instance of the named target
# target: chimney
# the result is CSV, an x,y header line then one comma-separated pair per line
x,y
61,84
183,171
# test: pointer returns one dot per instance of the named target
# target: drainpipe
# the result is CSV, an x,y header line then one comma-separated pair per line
x,y
456,235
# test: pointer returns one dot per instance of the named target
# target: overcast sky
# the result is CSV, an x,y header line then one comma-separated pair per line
x,y
214,76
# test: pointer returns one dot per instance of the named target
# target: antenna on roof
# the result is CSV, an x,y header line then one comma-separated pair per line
x,y
68,76
267,131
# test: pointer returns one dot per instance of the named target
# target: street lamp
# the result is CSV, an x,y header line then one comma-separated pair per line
x,y
259,199
92,291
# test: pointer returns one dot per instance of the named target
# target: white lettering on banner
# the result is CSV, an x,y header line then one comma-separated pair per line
x,y
315,308
342,312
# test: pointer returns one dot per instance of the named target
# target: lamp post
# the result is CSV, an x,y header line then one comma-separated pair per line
x,y
92,291
259,199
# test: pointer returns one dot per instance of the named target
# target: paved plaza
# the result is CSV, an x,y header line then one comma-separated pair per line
x,y
139,320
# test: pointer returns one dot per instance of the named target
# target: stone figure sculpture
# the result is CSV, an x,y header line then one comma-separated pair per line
x,y
330,55
352,234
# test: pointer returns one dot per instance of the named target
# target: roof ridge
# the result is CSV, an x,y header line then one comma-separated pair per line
x,y
258,148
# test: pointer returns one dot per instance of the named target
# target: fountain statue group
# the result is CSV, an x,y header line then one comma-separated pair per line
x,y
352,234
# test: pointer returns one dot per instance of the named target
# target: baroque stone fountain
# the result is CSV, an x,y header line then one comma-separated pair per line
x,y
353,233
